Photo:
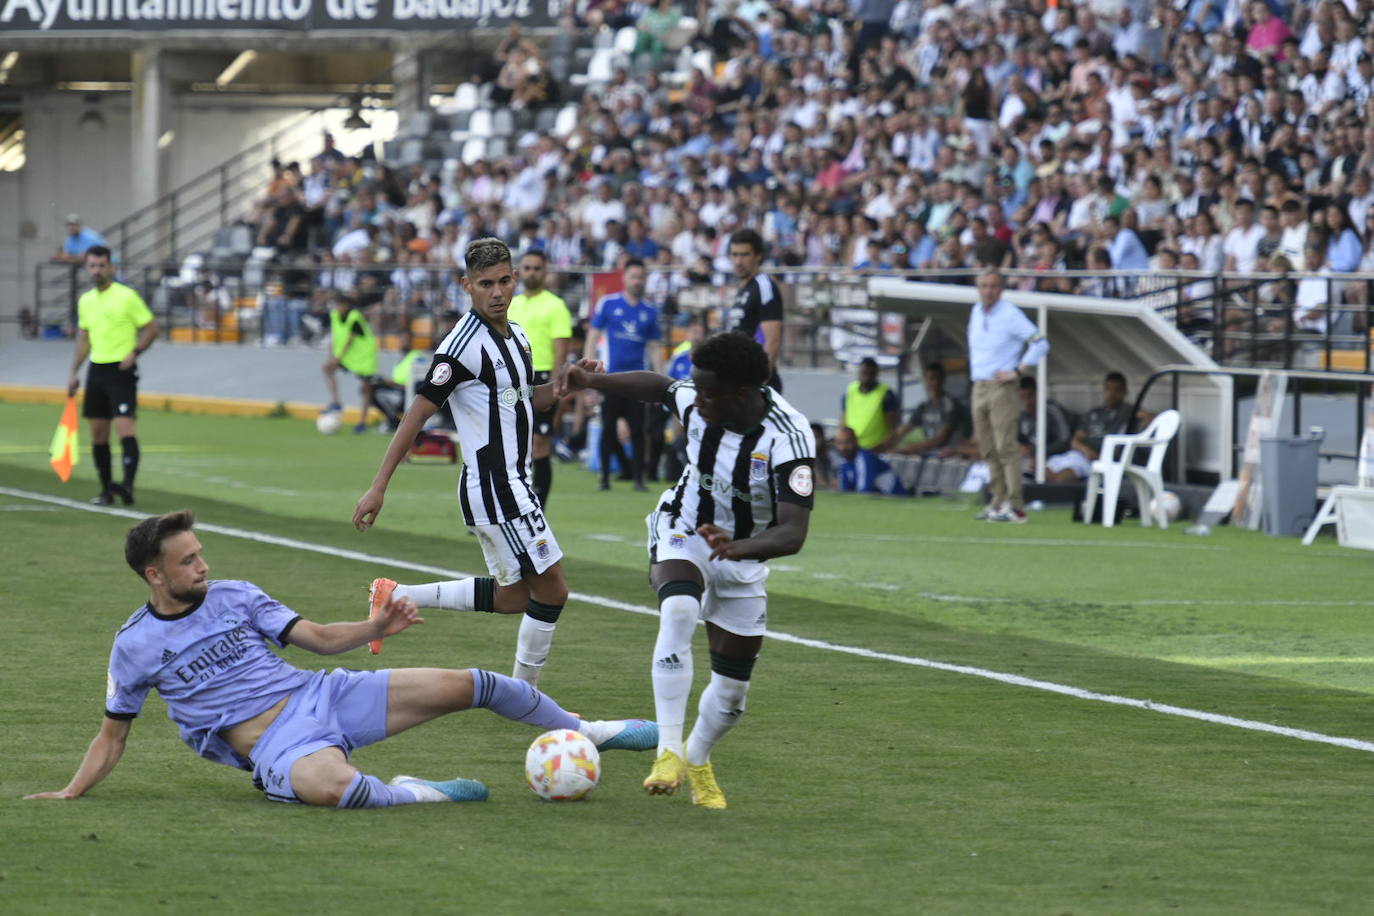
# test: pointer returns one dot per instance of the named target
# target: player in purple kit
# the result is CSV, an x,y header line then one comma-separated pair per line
x,y
203,645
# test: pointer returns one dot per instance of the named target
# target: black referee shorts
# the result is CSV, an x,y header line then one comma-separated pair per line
x,y
110,392
543,420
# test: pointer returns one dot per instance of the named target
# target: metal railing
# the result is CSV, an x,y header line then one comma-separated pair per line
x,y
1234,317
187,219
829,321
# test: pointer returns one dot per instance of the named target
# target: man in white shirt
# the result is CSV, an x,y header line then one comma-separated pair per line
x,y
1313,294
1001,340
1293,241
600,210
1241,245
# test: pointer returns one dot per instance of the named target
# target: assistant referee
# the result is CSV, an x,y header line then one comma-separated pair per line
x,y
546,321
114,328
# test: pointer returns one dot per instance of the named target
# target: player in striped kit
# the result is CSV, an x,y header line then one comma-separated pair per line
x,y
483,370
744,497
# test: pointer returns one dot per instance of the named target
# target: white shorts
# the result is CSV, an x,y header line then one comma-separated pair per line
x,y
1072,460
516,548
734,599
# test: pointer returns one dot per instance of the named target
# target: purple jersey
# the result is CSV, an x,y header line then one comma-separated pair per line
x,y
210,664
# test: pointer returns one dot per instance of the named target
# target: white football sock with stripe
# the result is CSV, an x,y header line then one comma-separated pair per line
x,y
455,595
532,648
719,710
672,668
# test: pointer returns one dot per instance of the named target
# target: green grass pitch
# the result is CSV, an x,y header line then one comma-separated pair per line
x,y
855,784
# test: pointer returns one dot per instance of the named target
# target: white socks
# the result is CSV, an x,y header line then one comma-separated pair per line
x,y
672,668
532,648
456,595
721,705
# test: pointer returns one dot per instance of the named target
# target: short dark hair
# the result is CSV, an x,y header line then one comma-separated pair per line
x,y
634,262
935,367
869,362
143,543
486,252
100,251
1116,377
748,237
1027,383
735,358
535,253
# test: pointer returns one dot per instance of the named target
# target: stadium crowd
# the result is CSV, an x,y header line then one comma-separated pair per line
x,y
1194,134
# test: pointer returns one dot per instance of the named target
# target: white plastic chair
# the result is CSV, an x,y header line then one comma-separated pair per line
x,y
601,67
566,121
474,150
1117,462
626,39
465,97
481,124
502,122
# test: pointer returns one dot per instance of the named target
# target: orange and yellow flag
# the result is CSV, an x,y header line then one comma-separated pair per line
x,y
65,451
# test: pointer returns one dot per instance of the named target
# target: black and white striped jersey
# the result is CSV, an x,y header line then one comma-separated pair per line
x,y
736,480
757,301
488,381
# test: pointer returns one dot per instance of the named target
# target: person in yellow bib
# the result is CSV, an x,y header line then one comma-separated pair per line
x,y
353,348
389,394
114,328
870,409
547,323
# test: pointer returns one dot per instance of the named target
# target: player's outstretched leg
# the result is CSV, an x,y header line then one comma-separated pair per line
x,y
523,702
327,778
365,791
428,790
476,594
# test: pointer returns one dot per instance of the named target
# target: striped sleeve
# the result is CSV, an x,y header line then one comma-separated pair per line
x,y
681,395
450,364
794,440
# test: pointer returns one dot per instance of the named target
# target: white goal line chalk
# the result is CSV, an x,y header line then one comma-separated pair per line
x,y
1015,680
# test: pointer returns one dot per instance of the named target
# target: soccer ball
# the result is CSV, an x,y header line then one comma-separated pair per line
x,y
1171,503
328,422
562,765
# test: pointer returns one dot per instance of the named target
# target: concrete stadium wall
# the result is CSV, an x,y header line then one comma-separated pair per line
x,y
69,169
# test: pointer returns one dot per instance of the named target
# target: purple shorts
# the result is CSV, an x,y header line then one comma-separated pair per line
x,y
339,708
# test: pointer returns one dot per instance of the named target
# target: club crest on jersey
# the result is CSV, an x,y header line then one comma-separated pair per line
x,y
541,549
758,466
676,541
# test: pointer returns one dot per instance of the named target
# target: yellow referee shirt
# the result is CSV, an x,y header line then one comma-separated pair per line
x,y
544,318
112,320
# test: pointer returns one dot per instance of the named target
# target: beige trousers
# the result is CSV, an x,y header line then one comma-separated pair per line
x,y
996,411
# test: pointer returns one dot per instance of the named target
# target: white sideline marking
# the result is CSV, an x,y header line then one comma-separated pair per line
x,y
1015,680
1014,541
1154,602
